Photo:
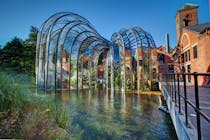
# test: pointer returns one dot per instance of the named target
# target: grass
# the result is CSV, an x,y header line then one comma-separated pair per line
x,y
61,118
24,114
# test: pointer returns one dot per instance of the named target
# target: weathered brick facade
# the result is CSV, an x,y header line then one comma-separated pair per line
x,y
165,66
186,15
193,44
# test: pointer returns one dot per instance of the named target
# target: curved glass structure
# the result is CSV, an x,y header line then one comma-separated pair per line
x,y
136,56
71,54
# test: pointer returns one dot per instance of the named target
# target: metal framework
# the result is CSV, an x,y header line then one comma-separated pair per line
x,y
69,48
137,57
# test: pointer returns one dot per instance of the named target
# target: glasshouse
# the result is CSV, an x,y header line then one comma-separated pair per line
x,y
71,54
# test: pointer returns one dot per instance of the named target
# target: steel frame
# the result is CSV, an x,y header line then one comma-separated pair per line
x,y
65,38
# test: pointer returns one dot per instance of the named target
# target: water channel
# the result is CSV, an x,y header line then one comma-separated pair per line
x,y
104,115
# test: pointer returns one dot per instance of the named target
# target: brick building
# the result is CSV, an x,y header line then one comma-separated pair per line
x,y
192,53
165,61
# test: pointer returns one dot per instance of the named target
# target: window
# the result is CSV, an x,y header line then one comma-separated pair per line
x,y
182,58
154,73
140,62
186,22
161,59
187,56
187,19
170,68
195,52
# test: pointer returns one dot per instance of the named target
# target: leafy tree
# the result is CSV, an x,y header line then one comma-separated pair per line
x,y
32,37
20,54
11,54
30,50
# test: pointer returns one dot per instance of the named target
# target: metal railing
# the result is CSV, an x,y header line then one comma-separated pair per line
x,y
173,81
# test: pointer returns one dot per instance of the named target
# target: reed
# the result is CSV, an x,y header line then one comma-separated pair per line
x,y
39,117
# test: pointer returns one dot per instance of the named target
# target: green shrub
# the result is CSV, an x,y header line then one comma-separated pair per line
x,y
39,118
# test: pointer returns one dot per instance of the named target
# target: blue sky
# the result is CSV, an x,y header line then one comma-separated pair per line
x,y
108,16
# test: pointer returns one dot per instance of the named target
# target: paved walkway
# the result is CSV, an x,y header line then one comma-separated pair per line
x,y
204,99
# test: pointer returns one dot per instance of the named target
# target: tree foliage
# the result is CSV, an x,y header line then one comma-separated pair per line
x,y
20,54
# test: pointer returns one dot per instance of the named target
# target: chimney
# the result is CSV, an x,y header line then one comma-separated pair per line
x,y
167,43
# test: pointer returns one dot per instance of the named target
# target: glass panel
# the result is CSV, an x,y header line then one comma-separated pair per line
x,y
77,56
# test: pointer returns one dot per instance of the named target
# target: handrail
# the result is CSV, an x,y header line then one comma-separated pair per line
x,y
173,88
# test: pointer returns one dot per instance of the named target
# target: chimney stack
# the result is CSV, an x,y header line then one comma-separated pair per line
x,y
167,43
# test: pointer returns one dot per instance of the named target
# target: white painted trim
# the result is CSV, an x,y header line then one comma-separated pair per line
x,y
195,44
186,63
188,38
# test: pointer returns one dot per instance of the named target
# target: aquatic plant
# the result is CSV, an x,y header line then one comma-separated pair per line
x,y
35,114
61,117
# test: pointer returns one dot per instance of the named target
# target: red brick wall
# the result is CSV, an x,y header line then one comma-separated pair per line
x,y
202,41
163,68
180,23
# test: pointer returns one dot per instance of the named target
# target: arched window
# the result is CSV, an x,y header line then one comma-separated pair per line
x,y
187,19
161,59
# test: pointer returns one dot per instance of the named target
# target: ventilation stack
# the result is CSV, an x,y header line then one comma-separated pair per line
x,y
167,43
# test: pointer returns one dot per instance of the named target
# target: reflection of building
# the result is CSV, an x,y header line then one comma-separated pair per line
x,y
65,64
100,71
193,43
65,69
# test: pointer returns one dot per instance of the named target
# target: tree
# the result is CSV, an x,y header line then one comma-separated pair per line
x,y
32,37
20,54
11,54
30,50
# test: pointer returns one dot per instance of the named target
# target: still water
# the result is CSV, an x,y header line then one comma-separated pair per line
x,y
104,115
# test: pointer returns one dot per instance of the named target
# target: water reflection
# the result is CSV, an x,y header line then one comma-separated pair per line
x,y
102,114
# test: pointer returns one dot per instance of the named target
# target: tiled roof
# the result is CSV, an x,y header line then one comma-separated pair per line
x,y
199,28
170,58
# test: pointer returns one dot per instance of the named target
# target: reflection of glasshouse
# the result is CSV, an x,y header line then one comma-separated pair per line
x,y
71,54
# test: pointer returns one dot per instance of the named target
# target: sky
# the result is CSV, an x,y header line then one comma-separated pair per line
x,y
107,16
